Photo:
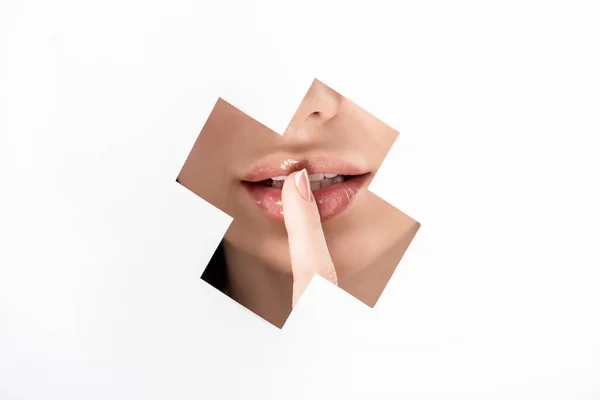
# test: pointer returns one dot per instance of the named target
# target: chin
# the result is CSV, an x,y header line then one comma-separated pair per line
x,y
271,251
278,261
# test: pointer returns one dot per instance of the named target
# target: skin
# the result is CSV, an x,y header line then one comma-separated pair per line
x,y
365,243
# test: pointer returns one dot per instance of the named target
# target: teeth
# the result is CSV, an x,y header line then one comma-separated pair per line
x,y
312,177
325,183
317,181
278,184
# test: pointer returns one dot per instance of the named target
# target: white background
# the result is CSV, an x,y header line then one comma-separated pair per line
x,y
498,107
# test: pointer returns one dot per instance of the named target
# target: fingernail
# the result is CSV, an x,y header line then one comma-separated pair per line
x,y
303,185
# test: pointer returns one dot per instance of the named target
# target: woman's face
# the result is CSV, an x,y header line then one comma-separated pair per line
x,y
342,146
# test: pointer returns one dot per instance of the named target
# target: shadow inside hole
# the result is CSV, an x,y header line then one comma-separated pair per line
x,y
215,273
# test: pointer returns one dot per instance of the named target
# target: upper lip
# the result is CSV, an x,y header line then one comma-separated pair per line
x,y
283,165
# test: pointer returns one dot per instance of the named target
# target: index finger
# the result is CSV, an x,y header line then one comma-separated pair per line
x,y
308,248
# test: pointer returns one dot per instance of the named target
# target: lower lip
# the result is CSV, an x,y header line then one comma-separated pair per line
x,y
331,201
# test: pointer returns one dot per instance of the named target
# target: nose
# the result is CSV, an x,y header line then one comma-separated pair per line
x,y
320,105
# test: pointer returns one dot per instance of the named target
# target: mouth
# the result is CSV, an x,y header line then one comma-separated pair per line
x,y
334,184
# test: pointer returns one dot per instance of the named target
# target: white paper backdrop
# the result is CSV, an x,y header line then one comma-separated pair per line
x,y
498,106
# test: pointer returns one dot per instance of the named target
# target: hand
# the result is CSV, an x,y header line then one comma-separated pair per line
x,y
308,248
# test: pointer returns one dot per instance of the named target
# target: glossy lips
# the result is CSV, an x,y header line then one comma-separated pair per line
x,y
332,198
